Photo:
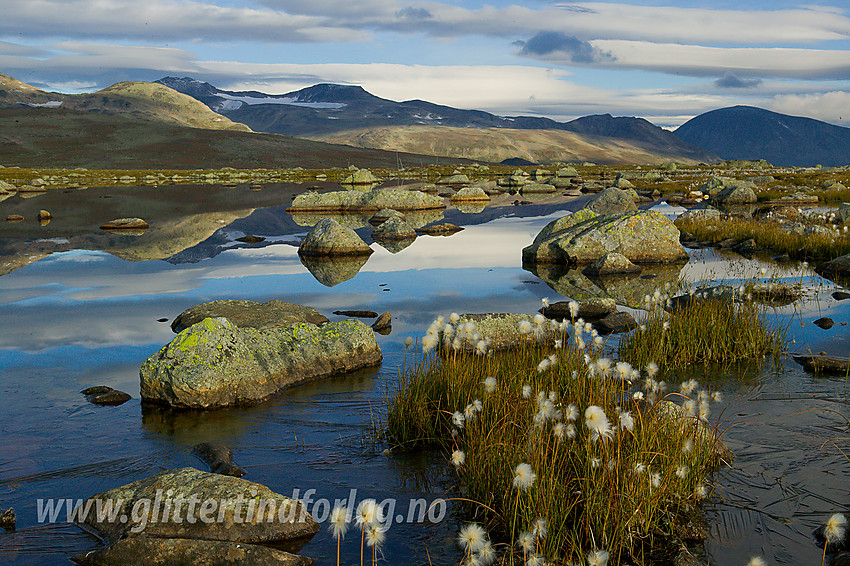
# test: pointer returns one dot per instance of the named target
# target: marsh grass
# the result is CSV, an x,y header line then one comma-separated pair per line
x,y
768,235
710,331
616,492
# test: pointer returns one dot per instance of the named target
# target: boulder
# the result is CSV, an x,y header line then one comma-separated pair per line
x,y
394,229
611,200
360,177
119,224
774,292
454,181
590,309
468,194
214,363
838,267
218,457
826,365
153,551
700,215
615,323
443,229
249,314
383,322
104,395
735,194
501,331
368,201
330,238
844,212
161,506
537,188
623,183
612,263
641,236
566,172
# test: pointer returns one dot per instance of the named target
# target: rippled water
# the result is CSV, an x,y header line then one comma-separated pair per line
x,y
74,315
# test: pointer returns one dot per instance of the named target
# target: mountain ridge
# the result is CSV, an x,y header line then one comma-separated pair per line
x,y
748,132
324,110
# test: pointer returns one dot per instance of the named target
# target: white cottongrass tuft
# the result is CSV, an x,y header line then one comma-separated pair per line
x,y
756,561
651,369
368,514
597,558
543,365
524,477
687,445
458,419
573,309
339,522
489,384
639,468
472,537
525,541
525,327
627,421
681,472
538,319
596,420
375,536
458,458
454,317
558,430
540,529
408,342
429,341
526,391
481,347
545,302
835,528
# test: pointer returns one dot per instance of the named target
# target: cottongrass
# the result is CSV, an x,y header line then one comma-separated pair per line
x,y
558,488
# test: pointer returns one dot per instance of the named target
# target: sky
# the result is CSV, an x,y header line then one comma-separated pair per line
x,y
665,61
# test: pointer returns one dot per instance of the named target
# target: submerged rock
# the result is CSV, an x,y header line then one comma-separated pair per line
x,y
501,331
329,238
616,323
588,309
213,363
104,395
154,551
160,507
826,365
582,237
133,224
249,314
218,457
333,270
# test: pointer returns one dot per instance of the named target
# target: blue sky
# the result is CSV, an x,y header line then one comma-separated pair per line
x,y
663,60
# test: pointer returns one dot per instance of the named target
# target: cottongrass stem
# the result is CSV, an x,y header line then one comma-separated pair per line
x,y
338,526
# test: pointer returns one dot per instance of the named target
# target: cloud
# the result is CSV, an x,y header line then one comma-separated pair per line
x,y
555,43
730,80
831,107
411,13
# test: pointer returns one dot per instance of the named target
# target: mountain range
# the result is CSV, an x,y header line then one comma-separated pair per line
x,y
351,115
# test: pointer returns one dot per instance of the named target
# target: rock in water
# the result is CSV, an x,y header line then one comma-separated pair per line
x,y
611,201
213,363
825,365
7,519
103,395
394,229
152,551
225,509
616,322
330,238
384,322
589,309
249,314
824,322
133,224
219,458
582,237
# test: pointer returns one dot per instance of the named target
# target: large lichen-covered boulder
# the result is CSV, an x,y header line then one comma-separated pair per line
x,y
735,194
152,551
271,518
369,201
641,236
249,314
610,201
214,363
329,237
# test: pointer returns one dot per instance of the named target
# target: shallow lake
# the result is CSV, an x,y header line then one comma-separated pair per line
x,y
79,307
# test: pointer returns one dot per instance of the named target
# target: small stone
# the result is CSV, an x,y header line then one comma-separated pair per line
x,y
7,519
383,322
249,239
103,395
44,215
824,322
15,218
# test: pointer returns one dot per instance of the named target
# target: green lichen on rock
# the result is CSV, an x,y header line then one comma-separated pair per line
x,y
214,363
369,201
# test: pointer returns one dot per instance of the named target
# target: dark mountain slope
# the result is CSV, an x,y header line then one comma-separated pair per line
x,y
745,132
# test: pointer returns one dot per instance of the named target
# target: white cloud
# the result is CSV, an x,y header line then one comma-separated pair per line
x,y
830,106
163,20
697,60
